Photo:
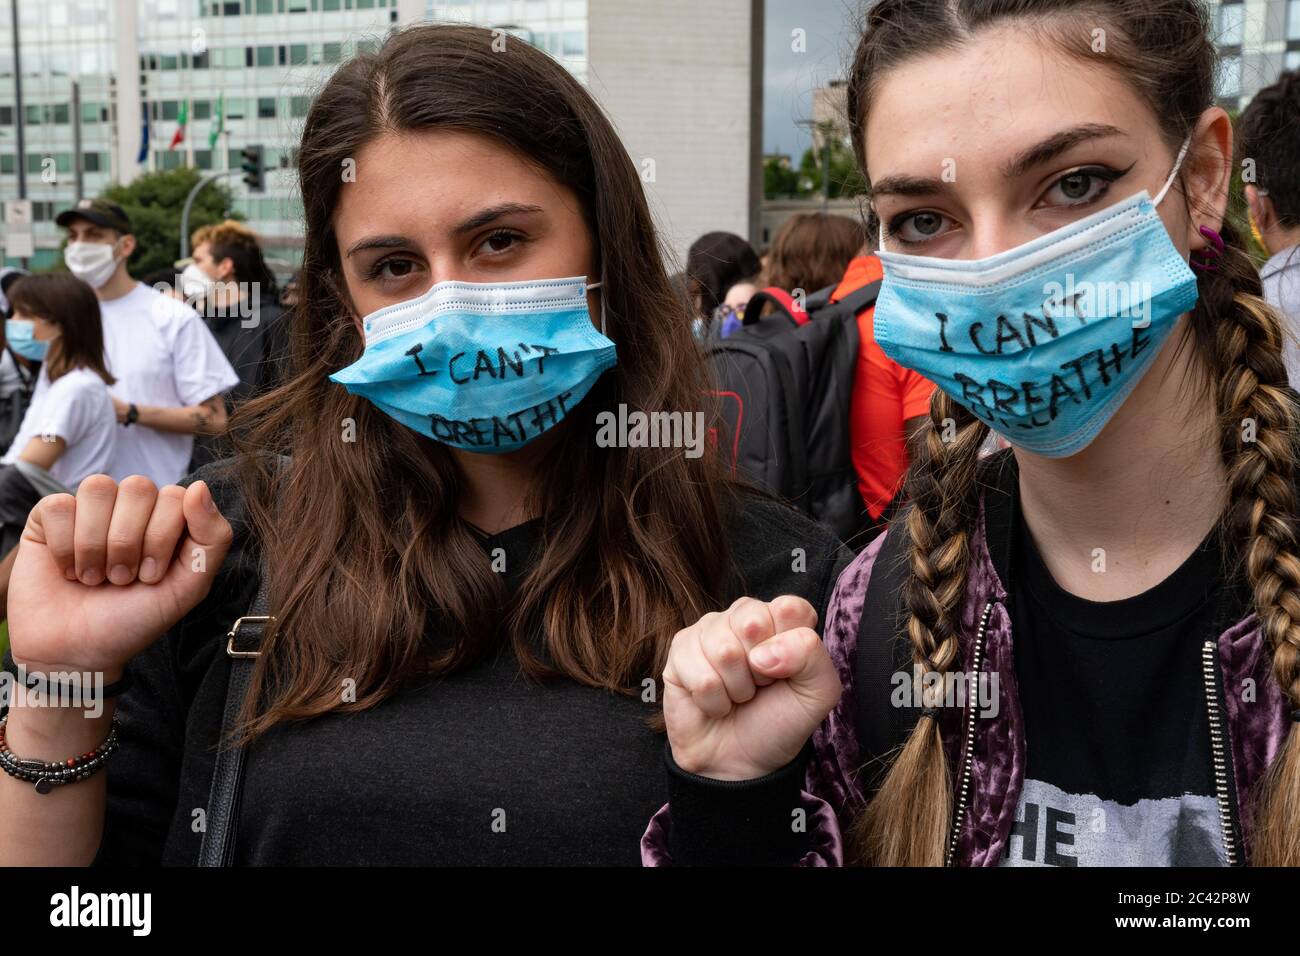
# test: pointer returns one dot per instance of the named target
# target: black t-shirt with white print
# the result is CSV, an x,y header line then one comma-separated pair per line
x,y
1119,769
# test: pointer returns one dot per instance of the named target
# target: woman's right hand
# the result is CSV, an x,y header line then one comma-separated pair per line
x,y
745,688
100,577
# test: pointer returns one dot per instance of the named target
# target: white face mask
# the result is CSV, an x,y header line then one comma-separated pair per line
x,y
91,262
195,283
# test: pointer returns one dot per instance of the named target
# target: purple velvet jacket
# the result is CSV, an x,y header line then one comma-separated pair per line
x,y
1254,714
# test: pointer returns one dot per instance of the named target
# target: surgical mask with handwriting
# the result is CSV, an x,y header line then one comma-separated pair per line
x,y
487,367
1045,341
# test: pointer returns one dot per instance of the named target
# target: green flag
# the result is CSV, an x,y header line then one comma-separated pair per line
x,y
220,123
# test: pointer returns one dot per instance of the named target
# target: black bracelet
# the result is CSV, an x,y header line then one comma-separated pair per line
x,y
47,775
115,689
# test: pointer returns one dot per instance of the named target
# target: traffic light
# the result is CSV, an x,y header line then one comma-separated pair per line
x,y
254,168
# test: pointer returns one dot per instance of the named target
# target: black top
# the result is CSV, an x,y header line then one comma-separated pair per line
x,y
482,767
1118,756
255,345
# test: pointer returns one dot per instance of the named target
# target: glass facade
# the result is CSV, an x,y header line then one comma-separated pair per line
x,y
260,58
62,42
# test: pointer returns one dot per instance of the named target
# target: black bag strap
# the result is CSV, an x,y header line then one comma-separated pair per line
x,y
859,299
883,651
242,642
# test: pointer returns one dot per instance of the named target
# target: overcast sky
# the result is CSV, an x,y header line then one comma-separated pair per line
x,y
788,77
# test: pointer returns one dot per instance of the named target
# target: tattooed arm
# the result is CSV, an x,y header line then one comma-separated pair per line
x,y
205,418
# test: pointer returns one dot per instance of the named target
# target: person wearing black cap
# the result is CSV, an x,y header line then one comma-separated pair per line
x,y
170,372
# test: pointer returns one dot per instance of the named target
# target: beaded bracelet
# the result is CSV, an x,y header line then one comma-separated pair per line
x,y
48,775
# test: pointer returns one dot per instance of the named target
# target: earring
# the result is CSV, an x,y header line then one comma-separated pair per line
x,y
1207,259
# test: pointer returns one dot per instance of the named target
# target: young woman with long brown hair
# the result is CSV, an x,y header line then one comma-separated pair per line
x,y
1086,649
473,590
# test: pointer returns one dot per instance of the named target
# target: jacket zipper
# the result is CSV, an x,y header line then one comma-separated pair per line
x,y
1219,753
968,746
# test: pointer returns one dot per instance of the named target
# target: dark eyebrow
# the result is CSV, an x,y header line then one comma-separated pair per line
x,y
378,242
1048,149
907,186
1055,145
485,216
476,221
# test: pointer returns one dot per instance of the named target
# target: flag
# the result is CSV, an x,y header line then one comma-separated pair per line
x,y
219,126
144,134
182,119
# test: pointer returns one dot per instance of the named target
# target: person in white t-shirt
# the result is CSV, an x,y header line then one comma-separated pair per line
x,y
70,428
170,371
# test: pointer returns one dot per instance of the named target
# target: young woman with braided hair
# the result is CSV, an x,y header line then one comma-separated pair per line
x,y
1084,650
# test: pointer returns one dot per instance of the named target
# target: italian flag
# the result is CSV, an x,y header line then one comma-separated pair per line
x,y
182,119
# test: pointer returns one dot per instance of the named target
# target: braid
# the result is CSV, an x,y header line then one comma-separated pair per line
x,y
908,821
1258,428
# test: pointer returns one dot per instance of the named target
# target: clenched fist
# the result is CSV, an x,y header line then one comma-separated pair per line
x,y
745,688
100,577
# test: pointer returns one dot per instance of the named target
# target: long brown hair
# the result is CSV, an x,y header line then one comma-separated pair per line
x,y
373,576
1163,48
811,250
69,303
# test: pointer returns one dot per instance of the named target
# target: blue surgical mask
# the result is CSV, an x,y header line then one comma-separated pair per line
x,y
20,335
486,367
1045,341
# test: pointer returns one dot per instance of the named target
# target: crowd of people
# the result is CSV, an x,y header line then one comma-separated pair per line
x,y
478,635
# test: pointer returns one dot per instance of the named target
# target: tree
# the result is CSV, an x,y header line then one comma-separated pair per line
x,y
845,179
779,180
154,202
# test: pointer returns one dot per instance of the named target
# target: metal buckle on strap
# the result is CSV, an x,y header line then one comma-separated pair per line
x,y
234,632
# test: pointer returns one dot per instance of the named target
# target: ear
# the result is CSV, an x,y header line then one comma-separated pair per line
x,y
1261,208
128,245
227,269
1209,174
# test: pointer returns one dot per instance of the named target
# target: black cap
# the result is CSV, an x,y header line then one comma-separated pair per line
x,y
99,211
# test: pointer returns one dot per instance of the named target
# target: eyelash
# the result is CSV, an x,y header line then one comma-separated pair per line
x,y
1105,173
375,271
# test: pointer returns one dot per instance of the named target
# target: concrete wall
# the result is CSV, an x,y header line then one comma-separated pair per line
x,y
681,81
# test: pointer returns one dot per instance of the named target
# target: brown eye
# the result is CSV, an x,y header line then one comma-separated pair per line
x,y
499,242
396,268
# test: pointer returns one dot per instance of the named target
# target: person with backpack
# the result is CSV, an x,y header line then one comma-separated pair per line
x,y
1083,650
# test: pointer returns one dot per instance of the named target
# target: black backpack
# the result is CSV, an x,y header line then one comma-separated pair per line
x,y
14,406
785,383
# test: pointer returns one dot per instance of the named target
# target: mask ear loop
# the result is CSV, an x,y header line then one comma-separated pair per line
x,y
597,285
1178,164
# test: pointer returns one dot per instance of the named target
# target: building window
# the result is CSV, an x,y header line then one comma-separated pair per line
x,y
265,6
90,162
266,107
266,56
1293,20
231,8
200,61
7,164
170,109
6,116
203,158
1232,19
298,54
299,105
202,109
332,52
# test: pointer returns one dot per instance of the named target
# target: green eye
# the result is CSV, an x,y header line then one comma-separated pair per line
x,y
1076,185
